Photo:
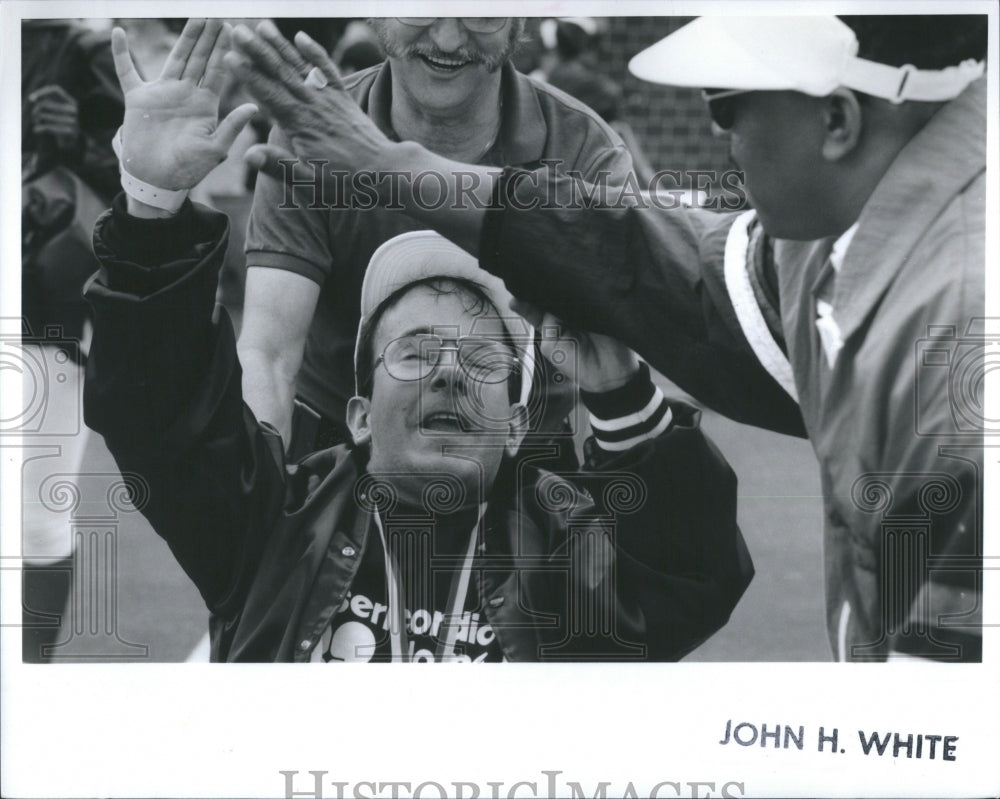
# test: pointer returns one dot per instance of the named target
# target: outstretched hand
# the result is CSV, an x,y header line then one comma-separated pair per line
x,y
321,120
55,112
171,135
602,363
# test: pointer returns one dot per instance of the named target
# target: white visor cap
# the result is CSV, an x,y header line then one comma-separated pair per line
x,y
809,54
411,257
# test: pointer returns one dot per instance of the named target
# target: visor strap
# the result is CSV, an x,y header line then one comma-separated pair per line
x,y
900,84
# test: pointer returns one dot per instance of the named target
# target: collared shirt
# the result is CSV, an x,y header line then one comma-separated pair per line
x,y
333,246
829,332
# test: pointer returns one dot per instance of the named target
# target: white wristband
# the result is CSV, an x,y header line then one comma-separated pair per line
x,y
164,199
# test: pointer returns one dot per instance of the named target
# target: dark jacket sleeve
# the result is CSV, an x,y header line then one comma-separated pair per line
x,y
163,388
648,276
681,561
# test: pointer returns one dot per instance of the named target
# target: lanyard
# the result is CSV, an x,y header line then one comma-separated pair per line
x,y
398,639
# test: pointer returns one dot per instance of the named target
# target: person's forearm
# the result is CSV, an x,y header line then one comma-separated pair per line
x,y
153,332
650,277
422,175
268,388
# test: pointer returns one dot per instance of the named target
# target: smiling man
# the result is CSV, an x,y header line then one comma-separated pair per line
x,y
448,84
433,536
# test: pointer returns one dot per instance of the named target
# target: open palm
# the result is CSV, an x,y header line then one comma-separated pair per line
x,y
171,135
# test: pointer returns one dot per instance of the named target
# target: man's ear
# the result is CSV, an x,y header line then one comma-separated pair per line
x,y
359,419
843,119
517,428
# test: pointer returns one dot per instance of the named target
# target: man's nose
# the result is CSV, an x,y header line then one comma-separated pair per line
x,y
448,34
448,372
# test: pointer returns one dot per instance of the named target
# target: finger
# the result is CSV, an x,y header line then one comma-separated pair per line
x,y
318,57
203,48
54,128
215,71
266,60
551,326
272,95
551,333
231,126
56,119
532,313
52,106
124,68
270,34
279,164
51,92
173,67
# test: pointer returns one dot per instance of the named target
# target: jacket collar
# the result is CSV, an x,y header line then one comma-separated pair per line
x,y
522,128
943,157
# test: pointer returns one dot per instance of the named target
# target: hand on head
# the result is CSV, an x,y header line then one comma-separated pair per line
x,y
602,363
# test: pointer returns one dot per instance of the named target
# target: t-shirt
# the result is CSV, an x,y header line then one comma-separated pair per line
x,y
427,558
333,246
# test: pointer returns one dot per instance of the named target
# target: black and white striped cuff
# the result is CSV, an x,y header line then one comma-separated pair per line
x,y
626,416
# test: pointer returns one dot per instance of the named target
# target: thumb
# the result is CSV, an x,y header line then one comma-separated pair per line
x,y
551,337
231,126
278,163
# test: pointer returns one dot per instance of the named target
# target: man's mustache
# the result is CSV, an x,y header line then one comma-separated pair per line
x,y
456,55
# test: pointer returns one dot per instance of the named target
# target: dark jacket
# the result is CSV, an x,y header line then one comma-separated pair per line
x,y
640,559
896,417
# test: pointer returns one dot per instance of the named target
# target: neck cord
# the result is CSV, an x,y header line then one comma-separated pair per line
x,y
398,637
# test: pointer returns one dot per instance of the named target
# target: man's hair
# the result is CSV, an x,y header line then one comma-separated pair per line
x,y
927,41
442,285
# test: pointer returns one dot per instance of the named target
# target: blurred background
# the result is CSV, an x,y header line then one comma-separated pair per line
x,y
147,610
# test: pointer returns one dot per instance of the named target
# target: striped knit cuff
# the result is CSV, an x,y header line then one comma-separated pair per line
x,y
627,416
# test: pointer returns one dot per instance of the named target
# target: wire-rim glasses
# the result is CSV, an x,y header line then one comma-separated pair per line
x,y
416,356
472,24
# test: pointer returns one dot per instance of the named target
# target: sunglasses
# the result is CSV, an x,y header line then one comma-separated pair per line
x,y
471,24
721,105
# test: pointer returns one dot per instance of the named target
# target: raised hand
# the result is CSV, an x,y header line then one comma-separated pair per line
x,y
54,112
602,363
322,122
171,136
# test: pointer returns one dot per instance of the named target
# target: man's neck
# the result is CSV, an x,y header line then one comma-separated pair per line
x,y
463,133
897,126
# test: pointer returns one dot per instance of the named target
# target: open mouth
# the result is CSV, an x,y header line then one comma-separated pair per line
x,y
445,66
445,422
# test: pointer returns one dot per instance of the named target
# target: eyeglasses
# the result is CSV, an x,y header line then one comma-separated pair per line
x,y
414,357
472,24
721,106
